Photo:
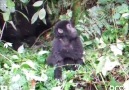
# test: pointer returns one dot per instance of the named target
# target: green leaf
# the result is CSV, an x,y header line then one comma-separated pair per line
x,y
21,49
102,1
24,1
42,52
126,85
109,65
88,43
34,17
125,15
69,13
44,21
38,3
29,63
116,16
101,64
10,4
42,13
114,83
6,16
57,88
125,29
49,10
67,85
116,50
122,9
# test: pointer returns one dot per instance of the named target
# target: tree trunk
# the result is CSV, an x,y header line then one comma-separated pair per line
x,y
76,11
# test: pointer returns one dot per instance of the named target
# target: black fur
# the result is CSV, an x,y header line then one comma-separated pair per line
x,y
26,32
67,48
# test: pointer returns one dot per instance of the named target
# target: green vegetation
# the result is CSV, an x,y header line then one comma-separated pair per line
x,y
104,32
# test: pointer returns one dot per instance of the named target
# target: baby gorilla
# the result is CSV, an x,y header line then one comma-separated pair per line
x,y
66,49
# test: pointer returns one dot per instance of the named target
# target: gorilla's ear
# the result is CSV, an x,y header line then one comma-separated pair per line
x,y
60,31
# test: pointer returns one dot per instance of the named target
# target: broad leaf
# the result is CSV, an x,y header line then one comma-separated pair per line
x,y
6,16
125,15
42,14
21,49
44,21
101,64
116,16
42,52
7,44
38,3
29,63
56,88
34,17
16,78
24,1
116,49
10,3
126,85
109,65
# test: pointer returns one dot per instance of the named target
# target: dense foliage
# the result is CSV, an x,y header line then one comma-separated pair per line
x,y
103,28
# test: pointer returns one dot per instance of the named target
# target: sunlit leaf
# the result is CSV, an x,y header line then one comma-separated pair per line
x,y
16,78
116,16
6,66
102,1
10,3
14,66
56,88
30,75
43,52
34,17
7,44
116,50
29,63
126,85
126,29
120,44
69,13
38,3
102,61
38,78
44,76
96,29
109,65
105,65
68,74
122,8
68,85
44,21
101,43
24,1
125,15
88,43
21,49
15,57
6,16
113,82
42,14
